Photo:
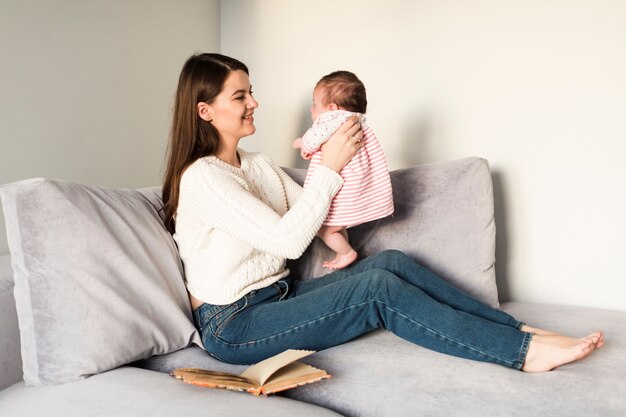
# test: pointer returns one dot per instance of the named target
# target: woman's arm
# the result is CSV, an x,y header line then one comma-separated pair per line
x,y
221,202
292,189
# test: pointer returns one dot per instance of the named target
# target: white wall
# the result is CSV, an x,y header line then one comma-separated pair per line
x,y
86,86
537,87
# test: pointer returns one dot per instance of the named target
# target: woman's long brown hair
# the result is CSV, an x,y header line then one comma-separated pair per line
x,y
201,80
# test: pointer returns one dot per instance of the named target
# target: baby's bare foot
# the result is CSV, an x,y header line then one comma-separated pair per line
x,y
547,352
341,261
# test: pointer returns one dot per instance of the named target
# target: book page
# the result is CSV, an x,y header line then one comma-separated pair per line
x,y
213,379
291,376
260,372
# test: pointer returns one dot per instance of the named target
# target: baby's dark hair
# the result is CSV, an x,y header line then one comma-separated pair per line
x,y
345,90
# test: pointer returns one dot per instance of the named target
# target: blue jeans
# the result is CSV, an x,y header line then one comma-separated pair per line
x,y
388,290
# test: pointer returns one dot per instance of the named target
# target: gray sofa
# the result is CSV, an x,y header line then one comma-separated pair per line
x,y
77,337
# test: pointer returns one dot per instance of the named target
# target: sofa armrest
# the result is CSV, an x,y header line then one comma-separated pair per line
x,y
10,357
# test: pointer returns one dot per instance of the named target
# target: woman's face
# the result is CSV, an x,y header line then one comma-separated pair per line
x,y
233,108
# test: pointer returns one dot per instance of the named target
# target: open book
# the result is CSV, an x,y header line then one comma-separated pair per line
x,y
267,377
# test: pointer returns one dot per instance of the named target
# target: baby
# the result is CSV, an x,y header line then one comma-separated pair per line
x,y
366,194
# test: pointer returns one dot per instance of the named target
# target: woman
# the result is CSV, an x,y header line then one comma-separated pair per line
x,y
236,217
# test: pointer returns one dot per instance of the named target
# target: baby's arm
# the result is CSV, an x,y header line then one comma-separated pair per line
x,y
297,144
322,129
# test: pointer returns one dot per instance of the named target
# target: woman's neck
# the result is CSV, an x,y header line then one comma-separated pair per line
x,y
228,153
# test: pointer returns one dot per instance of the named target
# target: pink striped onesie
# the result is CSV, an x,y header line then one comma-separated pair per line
x,y
366,194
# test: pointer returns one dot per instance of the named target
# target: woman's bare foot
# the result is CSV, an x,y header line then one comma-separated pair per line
x,y
535,330
547,352
600,341
341,261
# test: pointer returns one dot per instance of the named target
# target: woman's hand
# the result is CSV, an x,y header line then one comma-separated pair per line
x,y
342,145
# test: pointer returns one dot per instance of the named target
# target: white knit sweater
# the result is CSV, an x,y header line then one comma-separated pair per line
x,y
236,226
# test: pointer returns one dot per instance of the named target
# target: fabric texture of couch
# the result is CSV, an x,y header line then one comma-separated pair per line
x,y
75,242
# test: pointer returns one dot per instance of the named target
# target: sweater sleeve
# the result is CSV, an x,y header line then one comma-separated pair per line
x,y
223,203
293,190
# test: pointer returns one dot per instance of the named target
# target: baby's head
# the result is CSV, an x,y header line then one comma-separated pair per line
x,y
339,90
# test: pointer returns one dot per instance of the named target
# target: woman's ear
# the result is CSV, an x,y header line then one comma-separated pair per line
x,y
333,106
205,111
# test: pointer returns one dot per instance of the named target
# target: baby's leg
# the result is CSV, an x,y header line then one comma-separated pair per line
x,y
336,238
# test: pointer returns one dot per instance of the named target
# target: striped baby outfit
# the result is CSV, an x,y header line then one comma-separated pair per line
x,y
366,194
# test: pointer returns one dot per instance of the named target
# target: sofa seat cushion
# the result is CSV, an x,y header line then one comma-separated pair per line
x,y
380,374
191,357
129,391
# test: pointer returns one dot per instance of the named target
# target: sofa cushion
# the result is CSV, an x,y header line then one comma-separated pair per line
x,y
98,281
135,392
192,357
444,218
382,375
